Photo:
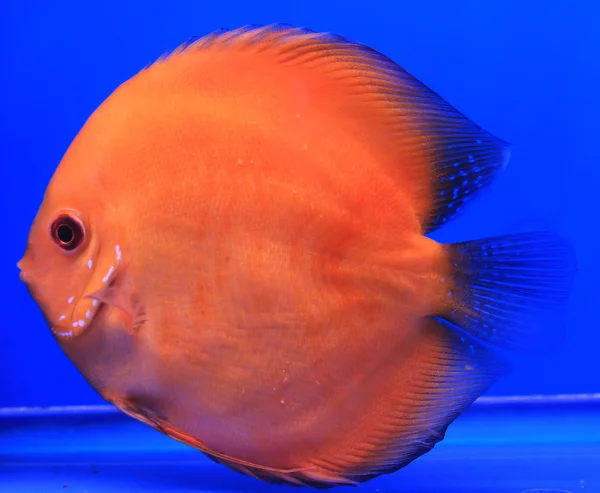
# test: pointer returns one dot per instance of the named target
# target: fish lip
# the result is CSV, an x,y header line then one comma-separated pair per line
x,y
22,274
29,284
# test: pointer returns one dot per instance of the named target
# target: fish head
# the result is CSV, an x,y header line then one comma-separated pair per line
x,y
69,254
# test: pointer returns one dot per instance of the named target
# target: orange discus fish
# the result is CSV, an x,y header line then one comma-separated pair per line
x,y
233,251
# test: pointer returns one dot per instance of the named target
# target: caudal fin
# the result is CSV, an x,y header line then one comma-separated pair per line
x,y
506,290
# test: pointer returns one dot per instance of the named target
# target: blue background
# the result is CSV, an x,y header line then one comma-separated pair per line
x,y
526,71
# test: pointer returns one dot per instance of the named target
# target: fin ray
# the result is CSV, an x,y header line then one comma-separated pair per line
x,y
445,157
504,289
444,375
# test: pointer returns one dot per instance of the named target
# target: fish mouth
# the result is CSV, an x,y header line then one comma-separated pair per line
x,y
26,279
22,274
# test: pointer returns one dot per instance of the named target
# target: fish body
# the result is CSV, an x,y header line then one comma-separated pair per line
x,y
233,250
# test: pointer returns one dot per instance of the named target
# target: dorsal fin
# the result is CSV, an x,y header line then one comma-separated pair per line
x,y
452,158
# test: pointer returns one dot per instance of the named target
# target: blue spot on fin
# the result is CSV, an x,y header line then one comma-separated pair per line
x,y
462,167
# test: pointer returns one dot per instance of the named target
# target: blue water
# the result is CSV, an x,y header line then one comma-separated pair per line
x,y
526,71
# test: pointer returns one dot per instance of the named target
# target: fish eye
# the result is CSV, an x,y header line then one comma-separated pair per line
x,y
67,232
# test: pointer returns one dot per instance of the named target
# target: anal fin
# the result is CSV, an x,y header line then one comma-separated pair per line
x,y
292,476
414,399
424,392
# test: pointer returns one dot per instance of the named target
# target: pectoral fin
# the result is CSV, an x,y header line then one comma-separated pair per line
x,y
121,294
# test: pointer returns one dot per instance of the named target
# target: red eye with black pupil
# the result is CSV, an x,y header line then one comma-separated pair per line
x,y
67,232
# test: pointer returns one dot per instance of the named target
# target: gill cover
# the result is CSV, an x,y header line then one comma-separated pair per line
x,y
108,259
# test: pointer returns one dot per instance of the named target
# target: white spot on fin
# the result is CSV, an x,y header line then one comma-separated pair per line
x,y
70,300
90,263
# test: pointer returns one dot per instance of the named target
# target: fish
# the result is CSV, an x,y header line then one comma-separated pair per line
x,y
236,250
